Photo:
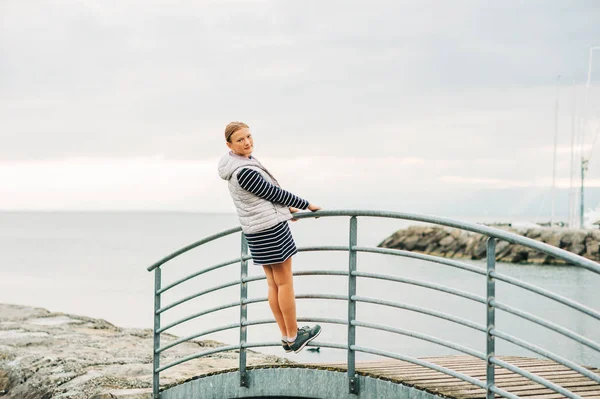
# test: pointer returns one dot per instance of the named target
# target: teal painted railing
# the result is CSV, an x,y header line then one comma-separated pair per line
x,y
490,331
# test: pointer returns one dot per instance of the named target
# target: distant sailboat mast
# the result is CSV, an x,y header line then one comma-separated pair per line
x,y
584,161
554,158
572,195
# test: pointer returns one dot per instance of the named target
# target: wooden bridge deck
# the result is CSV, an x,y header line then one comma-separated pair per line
x,y
443,384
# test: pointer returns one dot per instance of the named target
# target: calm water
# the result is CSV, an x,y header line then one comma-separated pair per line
x,y
94,264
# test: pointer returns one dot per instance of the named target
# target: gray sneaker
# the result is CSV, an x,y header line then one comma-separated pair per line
x,y
286,346
304,336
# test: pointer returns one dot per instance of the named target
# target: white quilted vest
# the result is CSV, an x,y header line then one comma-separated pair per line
x,y
255,213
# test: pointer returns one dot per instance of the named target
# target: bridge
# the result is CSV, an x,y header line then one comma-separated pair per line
x,y
470,373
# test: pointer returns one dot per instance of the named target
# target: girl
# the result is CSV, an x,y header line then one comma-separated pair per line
x,y
264,210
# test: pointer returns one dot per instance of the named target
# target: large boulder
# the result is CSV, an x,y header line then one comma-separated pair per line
x,y
449,242
55,355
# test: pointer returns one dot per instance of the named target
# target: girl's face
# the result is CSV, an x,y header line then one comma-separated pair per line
x,y
241,142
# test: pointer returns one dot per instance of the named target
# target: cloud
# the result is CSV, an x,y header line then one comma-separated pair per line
x,y
81,183
503,183
465,89
156,183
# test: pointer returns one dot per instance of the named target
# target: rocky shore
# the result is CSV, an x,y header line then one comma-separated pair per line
x,y
47,355
453,243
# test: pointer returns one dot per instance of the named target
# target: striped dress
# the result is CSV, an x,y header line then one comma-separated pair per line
x,y
275,244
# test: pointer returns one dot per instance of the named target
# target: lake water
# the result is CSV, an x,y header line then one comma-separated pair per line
x,y
94,264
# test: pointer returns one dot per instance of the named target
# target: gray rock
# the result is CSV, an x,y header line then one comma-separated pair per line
x,y
4,380
443,241
53,355
592,244
447,241
479,250
409,243
533,233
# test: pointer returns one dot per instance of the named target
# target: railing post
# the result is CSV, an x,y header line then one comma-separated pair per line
x,y
155,354
352,378
243,311
491,316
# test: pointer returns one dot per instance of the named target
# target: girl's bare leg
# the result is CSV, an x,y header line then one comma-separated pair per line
x,y
274,300
282,274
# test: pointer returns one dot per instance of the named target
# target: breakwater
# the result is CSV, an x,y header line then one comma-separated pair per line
x,y
454,243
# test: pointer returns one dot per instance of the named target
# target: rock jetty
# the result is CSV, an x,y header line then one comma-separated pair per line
x,y
454,243
47,355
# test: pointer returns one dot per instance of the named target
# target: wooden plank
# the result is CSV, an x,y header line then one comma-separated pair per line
x,y
507,384
525,391
471,391
434,381
481,374
471,359
422,369
512,382
472,372
500,372
518,384
410,365
532,390
440,360
529,386
517,361
593,390
453,367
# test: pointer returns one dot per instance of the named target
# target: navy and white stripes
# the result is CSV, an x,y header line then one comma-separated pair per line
x,y
275,244
253,181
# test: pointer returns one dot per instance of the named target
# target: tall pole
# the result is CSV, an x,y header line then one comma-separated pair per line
x,y
572,174
584,161
581,209
554,158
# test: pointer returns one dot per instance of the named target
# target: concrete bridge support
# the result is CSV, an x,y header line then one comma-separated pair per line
x,y
291,383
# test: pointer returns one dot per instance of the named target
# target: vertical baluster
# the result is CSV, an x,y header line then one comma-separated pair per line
x,y
491,316
243,311
352,378
155,355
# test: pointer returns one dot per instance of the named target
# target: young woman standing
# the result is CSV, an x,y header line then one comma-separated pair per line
x,y
264,210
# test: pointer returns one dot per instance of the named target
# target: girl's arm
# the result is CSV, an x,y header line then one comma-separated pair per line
x,y
253,181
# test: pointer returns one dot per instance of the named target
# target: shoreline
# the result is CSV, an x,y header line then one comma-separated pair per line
x,y
47,354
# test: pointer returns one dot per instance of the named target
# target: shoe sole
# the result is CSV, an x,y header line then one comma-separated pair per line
x,y
286,350
307,341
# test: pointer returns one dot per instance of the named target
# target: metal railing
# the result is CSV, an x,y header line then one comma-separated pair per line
x,y
490,330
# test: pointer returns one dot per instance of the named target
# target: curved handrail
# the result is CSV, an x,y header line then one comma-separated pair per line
x,y
436,287
201,272
540,291
549,325
424,337
474,227
545,353
193,245
418,309
429,258
352,275
533,377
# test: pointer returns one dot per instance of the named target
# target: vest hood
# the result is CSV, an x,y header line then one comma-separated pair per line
x,y
232,162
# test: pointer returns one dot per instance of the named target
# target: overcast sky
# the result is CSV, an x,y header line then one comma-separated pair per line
x,y
122,104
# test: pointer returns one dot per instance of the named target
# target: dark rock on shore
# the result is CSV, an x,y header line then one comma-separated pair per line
x,y
454,243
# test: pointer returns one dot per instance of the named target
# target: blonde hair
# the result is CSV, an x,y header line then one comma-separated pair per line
x,y
233,127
